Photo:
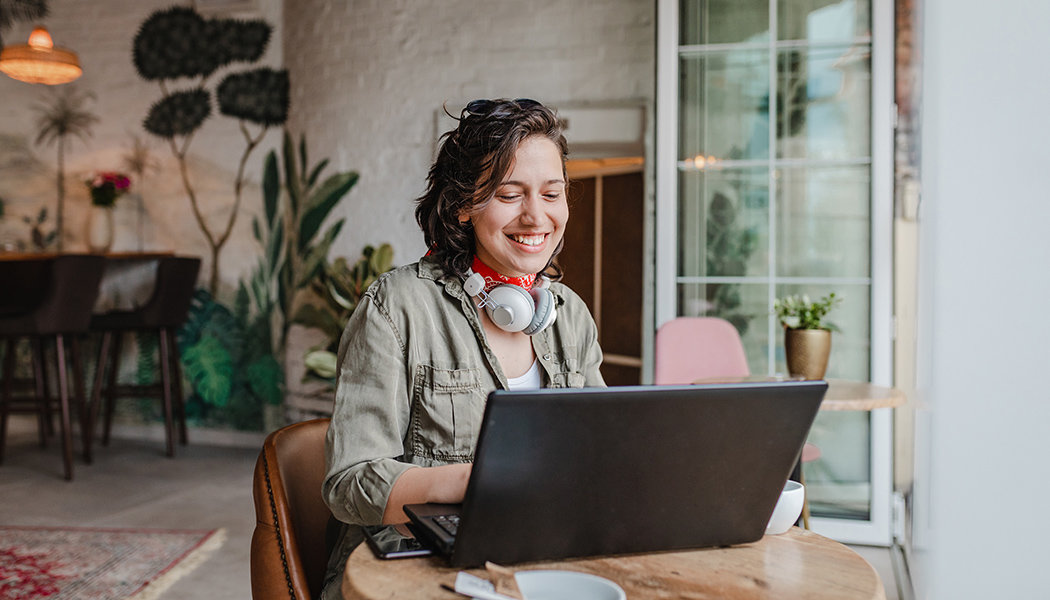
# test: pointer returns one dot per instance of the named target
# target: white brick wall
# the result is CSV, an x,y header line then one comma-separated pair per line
x,y
369,76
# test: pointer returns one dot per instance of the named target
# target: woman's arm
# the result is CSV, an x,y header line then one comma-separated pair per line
x,y
370,418
445,484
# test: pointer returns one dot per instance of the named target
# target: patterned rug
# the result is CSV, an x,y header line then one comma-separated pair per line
x,y
98,564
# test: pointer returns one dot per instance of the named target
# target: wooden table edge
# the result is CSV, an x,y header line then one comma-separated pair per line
x,y
435,571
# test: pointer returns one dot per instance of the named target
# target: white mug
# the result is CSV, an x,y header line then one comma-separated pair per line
x,y
788,508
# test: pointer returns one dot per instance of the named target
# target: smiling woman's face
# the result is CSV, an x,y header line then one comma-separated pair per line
x,y
517,231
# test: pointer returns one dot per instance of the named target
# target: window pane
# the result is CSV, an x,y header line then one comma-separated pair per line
x,y
823,103
723,223
724,108
823,20
823,222
838,484
744,305
723,21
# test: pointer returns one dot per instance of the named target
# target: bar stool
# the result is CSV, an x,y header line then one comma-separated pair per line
x,y
162,314
62,313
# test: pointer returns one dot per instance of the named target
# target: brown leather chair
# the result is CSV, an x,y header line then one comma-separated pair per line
x,y
288,554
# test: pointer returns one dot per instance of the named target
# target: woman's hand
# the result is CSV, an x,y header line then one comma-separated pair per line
x,y
446,484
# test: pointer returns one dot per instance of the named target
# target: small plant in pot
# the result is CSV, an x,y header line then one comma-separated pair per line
x,y
807,336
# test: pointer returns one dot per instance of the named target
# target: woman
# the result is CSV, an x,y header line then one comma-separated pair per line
x,y
419,356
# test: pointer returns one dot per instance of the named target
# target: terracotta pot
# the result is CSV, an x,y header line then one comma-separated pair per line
x,y
807,352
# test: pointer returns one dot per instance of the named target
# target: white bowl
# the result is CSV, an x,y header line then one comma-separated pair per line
x,y
566,585
788,508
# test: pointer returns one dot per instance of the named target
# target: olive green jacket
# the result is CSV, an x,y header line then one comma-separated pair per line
x,y
415,369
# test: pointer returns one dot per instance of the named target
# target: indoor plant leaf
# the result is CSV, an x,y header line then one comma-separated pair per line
x,y
321,203
291,174
266,380
312,179
271,188
322,362
317,254
309,315
208,366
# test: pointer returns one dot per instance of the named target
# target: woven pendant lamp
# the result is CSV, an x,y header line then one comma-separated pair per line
x,y
39,61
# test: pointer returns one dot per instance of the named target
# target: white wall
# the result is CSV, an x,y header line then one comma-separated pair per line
x,y
368,78
984,343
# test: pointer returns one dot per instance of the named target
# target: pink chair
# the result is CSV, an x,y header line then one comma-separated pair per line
x,y
692,348
687,349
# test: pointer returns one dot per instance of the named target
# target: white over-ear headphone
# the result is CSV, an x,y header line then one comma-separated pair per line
x,y
511,307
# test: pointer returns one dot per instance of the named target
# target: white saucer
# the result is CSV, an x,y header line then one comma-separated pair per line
x,y
566,585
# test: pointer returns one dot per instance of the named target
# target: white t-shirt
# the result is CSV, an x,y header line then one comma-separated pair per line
x,y
531,380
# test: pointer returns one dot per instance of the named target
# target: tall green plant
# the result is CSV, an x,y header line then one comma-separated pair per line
x,y
295,247
177,44
61,116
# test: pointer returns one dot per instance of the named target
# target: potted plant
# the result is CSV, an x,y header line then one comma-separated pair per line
x,y
807,336
105,187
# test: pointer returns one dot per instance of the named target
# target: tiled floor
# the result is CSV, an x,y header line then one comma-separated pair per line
x,y
132,484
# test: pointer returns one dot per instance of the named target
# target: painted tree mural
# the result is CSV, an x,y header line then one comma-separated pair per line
x,y
177,46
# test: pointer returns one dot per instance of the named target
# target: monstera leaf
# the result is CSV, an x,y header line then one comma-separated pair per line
x,y
178,114
210,368
259,96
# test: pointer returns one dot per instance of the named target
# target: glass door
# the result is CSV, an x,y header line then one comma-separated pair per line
x,y
773,141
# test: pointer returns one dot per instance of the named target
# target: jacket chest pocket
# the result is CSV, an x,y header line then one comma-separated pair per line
x,y
446,413
566,370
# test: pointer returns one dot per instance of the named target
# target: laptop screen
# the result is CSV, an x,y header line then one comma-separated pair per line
x,y
584,472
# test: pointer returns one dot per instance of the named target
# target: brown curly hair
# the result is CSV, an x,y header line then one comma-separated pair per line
x,y
471,163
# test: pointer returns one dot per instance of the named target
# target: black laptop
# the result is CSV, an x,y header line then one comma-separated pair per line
x,y
601,471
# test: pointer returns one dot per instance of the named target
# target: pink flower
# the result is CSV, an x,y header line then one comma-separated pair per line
x,y
107,186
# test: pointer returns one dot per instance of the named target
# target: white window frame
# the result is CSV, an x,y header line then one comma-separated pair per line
x,y
878,529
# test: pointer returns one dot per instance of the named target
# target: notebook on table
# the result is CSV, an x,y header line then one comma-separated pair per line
x,y
562,473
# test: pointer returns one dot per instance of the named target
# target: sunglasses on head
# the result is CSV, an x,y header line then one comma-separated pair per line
x,y
480,106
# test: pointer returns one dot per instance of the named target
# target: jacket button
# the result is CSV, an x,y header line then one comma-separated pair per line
x,y
546,357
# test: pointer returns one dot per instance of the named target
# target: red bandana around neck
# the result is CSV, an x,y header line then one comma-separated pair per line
x,y
492,278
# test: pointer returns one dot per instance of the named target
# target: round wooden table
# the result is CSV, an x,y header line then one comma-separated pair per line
x,y
859,395
797,564
842,394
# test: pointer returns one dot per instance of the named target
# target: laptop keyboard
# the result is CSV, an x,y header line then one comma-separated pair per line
x,y
449,523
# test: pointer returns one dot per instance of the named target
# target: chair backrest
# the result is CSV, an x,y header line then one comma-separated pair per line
x,y
288,553
691,348
25,284
71,294
170,301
